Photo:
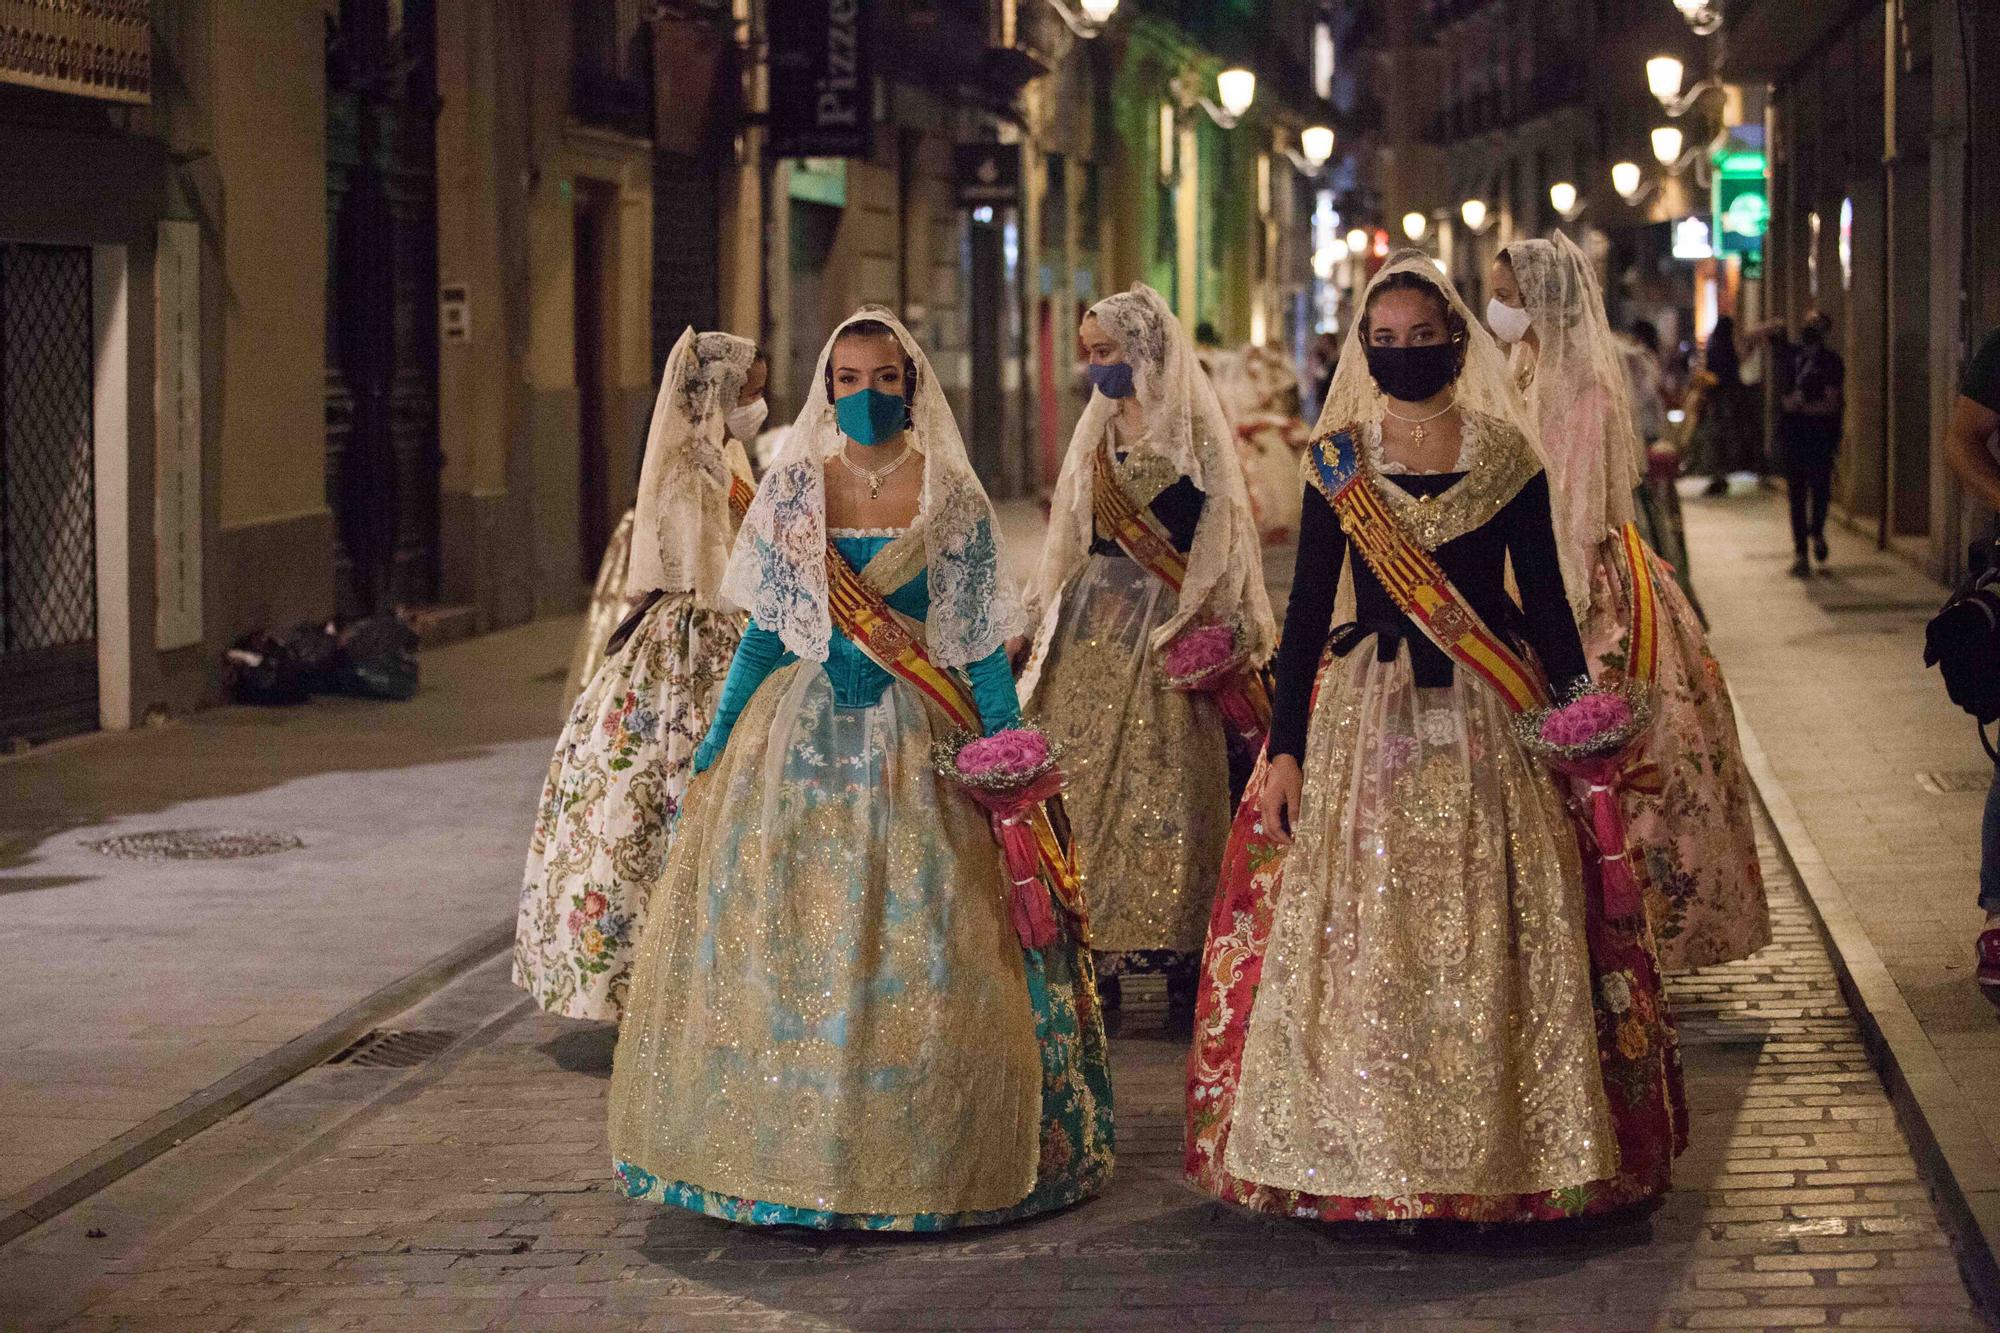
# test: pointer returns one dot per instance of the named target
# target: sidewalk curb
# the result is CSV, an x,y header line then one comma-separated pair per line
x,y
1952,1152
62,1189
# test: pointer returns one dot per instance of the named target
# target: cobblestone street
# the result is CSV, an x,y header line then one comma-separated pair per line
x,y
474,1193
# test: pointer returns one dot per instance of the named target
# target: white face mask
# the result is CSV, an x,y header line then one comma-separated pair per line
x,y
746,419
1510,323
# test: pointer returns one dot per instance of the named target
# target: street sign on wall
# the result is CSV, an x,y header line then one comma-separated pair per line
x,y
822,85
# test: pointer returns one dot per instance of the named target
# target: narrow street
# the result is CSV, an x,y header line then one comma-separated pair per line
x,y
463,1182
473,1192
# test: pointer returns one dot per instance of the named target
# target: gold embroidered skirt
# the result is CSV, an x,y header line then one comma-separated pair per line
x,y
1147,766
1424,1020
829,1009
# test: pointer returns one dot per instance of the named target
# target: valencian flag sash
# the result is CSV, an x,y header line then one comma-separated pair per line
x,y
741,493
1244,700
860,613
1417,582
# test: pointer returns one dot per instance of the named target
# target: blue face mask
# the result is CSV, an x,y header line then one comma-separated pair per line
x,y
1113,381
871,416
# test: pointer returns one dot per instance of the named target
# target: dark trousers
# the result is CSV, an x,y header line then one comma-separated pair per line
x,y
1809,486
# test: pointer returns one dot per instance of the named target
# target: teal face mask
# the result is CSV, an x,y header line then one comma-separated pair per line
x,y
871,416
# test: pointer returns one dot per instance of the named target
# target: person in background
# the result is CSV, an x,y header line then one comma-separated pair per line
x,y
1812,383
1325,358
1151,535
1658,502
623,760
1725,434
1969,449
611,601
1692,833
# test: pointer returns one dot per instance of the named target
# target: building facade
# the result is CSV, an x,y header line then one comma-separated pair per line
x,y
1886,215
325,307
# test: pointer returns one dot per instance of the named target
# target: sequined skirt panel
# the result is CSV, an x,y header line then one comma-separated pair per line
x,y
1148,766
1704,885
1424,1020
830,1010
607,610
614,785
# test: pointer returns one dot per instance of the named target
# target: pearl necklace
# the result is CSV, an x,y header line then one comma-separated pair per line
x,y
873,476
1418,433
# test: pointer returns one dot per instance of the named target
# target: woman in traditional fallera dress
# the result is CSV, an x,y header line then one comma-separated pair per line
x,y
1148,764
1412,1005
1698,850
833,1022
623,759
616,595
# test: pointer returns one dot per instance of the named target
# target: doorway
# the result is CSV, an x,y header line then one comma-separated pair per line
x,y
48,525
382,459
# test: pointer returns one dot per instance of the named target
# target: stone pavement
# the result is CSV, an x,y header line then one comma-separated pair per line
x,y
1877,782
127,987
476,1194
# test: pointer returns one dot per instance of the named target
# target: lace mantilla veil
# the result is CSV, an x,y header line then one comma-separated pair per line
x,y
1581,400
1186,427
777,570
1485,393
681,527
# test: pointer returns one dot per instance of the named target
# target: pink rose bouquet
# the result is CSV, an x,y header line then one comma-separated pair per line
x,y
1209,659
1201,659
1012,774
1595,739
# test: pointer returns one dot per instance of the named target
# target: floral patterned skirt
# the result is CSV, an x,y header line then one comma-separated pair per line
x,y
832,1021
607,611
1147,768
614,786
1704,886
1529,1012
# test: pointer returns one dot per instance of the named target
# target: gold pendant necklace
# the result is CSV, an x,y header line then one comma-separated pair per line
x,y
1417,432
873,476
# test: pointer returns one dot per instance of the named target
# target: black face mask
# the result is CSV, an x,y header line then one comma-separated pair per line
x,y
1413,374
1812,335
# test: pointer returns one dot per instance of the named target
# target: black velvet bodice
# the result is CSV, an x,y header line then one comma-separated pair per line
x,y
1477,564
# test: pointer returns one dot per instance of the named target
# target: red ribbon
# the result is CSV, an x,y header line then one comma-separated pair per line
x,y
1606,778
1028,906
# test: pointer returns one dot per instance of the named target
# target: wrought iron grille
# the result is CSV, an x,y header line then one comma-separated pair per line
x,y
48,536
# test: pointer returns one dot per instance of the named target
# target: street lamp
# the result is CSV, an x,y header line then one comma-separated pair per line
x,y
1475,213
1663,80
1318,145
1089,23
1667,143
1562,195
1357,241
1701,15
1238,88
1415,225
1627,179
1323,262
1316,142
1663,77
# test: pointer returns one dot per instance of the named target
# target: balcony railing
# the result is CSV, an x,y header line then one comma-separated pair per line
x,y
91,48
611,65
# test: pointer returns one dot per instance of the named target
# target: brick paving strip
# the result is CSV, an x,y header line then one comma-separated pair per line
x,y
476,1194
1875,784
